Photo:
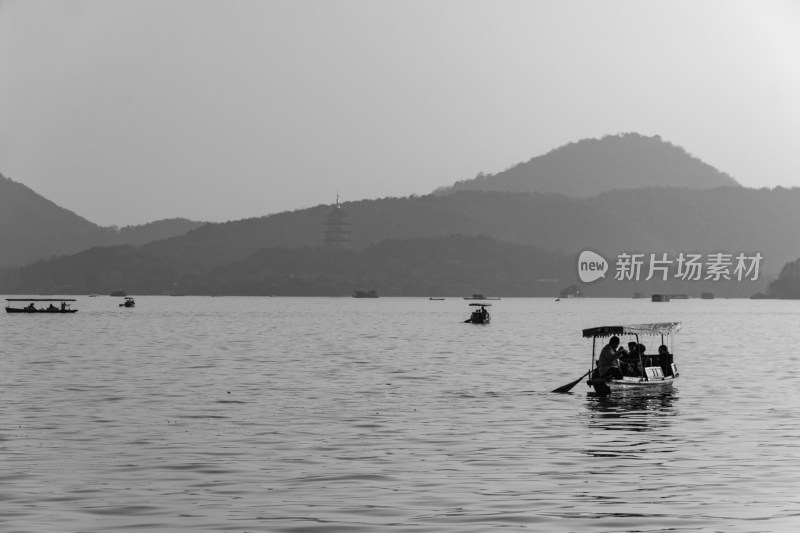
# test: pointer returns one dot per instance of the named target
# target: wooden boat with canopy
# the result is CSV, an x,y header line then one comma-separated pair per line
x,y
479,314
639,369
63,306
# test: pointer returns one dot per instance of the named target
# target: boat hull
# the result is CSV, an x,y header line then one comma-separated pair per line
x,y
602,386
52,311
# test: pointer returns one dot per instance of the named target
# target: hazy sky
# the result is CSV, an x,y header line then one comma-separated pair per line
x,y
130,111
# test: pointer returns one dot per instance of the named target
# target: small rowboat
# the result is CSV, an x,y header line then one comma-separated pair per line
x,y
640,371
479,315
64,307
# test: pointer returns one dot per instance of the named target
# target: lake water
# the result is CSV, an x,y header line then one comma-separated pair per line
x,y
345,415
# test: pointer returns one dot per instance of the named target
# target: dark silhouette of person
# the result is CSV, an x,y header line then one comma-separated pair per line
x,y
608,360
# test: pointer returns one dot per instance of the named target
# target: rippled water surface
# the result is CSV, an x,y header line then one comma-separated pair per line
x,y
341,414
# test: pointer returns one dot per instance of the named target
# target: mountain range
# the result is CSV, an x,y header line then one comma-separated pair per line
x,y
32,227
281,254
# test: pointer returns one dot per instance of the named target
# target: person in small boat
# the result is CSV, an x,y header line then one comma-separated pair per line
x,y
52,307
31,307
608,360
63,306
642,349
629,361
665,360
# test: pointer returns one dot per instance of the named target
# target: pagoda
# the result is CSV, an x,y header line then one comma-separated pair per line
x,y
338,231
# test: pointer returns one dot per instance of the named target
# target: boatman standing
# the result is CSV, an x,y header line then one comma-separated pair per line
x,y
608,361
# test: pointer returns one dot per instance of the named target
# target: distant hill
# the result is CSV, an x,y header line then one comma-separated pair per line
x,y
33,228
650,220
156,231
593,166
787,284
445,266
692,208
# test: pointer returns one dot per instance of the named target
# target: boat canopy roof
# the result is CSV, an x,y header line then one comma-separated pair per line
x,y
658,328
40,300
483,305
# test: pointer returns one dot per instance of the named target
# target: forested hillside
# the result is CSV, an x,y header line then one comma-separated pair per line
x,y
515,232
32,228
592,166
452,266
656,220
648,220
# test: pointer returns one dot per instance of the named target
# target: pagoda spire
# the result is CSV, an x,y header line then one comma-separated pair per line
x,y
338,231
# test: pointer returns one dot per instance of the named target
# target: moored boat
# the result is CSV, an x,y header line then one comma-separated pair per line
x,y
63,307
365,294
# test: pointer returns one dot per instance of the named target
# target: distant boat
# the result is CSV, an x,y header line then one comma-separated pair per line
x,y
119,293
479,296
432,298
365,294
31,307
707,295
479,315
573,291
659,298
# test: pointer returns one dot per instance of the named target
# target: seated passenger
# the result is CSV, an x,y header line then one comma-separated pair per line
x,y
665,360
647,359
630,361
608,360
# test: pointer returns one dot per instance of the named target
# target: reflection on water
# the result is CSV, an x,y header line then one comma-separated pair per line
x,y
646,414
631,410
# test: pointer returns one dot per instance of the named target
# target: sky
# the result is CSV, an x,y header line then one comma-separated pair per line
x,y
126,112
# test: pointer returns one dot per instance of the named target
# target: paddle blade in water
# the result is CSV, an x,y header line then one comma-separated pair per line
x,y
568,386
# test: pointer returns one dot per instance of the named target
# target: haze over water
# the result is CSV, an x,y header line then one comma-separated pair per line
x,y
341,414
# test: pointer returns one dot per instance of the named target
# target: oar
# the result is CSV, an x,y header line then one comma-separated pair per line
x,y
568,386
